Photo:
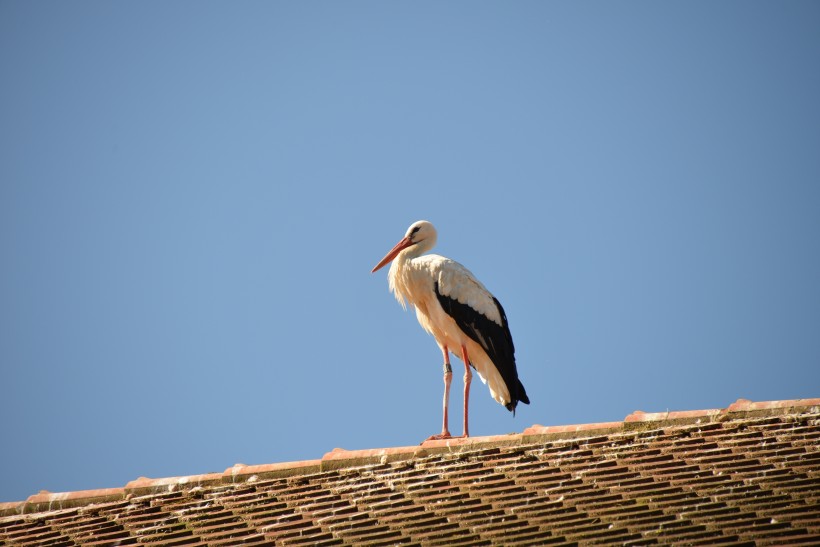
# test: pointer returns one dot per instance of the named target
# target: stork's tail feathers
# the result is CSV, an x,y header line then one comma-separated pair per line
x,y
520,396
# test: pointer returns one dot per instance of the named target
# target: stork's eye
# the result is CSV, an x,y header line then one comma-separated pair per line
x,y
416,229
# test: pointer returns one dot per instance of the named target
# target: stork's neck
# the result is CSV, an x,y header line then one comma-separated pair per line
x,y
400,262
398,276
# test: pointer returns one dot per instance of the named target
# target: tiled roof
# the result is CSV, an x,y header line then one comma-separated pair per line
x,y
749,473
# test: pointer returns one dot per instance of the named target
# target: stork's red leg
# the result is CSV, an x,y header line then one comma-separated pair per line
x,y
468,377
448,378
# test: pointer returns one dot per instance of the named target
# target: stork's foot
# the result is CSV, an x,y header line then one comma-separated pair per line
x,y
444,435
438,437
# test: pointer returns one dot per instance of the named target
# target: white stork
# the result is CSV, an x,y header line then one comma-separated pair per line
x,y
462,315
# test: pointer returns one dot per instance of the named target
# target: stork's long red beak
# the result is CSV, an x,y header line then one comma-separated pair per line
x,y
400,246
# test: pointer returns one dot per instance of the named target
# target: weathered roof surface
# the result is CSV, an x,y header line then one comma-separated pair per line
x,y
747,473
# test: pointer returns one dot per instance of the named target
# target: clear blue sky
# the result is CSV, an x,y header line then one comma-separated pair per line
x,y
192,195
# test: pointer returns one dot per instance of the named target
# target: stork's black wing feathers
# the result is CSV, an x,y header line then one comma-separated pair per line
x,y
494,338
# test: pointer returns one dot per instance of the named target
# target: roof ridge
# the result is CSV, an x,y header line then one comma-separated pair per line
x,y
340,458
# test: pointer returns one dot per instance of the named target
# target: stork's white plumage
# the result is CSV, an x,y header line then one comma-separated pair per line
x,y
460,313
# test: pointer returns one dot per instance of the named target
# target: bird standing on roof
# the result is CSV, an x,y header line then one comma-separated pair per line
x,y
462,315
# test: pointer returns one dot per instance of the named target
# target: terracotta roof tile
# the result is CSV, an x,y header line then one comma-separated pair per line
x,y
748,474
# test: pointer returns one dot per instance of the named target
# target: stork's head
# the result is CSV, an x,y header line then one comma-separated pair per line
x,y
421,237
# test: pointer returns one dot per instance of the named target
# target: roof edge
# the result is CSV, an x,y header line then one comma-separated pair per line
x,y
340,458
